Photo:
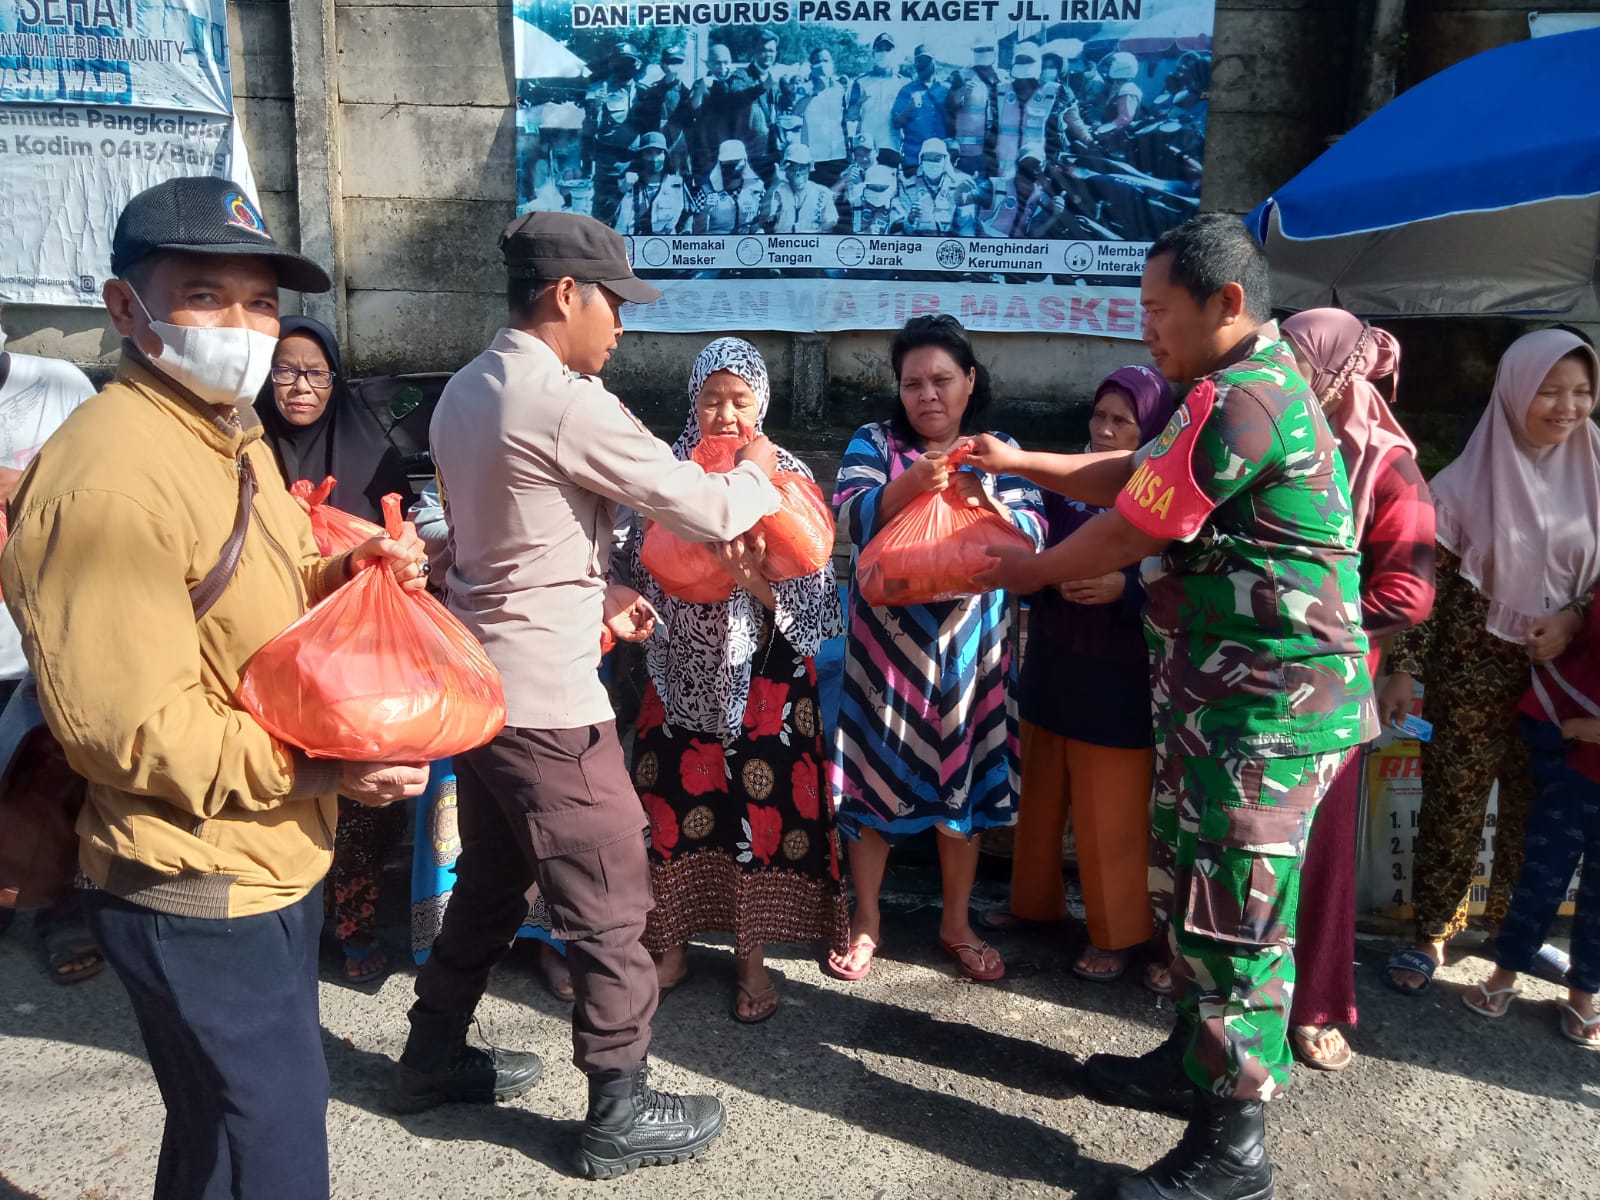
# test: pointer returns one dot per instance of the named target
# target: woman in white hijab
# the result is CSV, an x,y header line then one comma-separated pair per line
x,y
729,752
1519,553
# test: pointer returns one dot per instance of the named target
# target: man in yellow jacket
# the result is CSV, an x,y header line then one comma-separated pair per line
x,y
206,838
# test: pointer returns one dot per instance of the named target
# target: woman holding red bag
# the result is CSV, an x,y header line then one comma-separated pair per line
x,y
728,757
927,735
317,428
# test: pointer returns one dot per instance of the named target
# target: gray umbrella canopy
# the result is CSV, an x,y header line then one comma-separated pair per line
x,y
1453,201
1534,259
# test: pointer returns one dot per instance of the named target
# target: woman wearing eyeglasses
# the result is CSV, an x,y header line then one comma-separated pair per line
x,y
317,428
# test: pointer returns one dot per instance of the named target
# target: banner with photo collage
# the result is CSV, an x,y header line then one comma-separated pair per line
x,y
100,99
817,165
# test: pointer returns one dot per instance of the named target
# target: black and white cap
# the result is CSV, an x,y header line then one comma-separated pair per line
x,y
205,215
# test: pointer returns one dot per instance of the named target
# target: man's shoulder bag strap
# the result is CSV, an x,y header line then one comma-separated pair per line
x,y
209,590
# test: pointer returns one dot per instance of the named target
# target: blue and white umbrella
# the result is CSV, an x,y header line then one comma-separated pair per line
x,y
1477,192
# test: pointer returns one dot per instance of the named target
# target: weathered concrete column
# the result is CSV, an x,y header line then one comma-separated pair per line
x,y
316,153
1379,44
808,381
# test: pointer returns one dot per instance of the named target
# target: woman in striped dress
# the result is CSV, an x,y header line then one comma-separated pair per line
x,y
927,731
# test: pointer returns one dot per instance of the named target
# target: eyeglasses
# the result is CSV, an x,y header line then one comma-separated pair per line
x,y
287,376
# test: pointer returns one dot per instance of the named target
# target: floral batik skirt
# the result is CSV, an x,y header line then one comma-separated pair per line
x,y
742,839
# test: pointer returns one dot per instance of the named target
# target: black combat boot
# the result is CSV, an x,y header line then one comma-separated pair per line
x,y
1222,1156
438,1067
630,1124
1155,1082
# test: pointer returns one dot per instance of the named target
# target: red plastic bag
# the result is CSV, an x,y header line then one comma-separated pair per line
x,y
688,570
335,530
375,673
799,535
931,550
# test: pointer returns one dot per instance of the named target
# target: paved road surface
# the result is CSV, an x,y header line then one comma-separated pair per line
x,y
912,1085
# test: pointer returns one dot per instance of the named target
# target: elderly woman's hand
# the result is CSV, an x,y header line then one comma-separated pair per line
x,y
744,558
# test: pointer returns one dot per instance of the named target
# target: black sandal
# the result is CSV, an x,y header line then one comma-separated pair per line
x,y
64,941
1410,960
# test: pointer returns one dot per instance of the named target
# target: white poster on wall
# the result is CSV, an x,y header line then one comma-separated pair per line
x,y
100,99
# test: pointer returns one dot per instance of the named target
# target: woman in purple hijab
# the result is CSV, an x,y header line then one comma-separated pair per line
x,y
1084,702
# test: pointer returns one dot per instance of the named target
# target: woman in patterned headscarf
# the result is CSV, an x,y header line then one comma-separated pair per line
x,y
728,757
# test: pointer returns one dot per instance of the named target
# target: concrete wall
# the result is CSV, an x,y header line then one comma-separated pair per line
x,y
423,179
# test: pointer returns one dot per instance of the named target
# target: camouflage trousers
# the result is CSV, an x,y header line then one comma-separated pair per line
x,y
1227,837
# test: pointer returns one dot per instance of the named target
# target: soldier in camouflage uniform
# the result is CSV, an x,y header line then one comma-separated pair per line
x,y
1259,682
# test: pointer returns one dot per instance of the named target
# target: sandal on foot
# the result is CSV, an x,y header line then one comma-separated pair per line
x,y
664,988
1082,971
839,964
1409,960
356,957
1149,980
764,1000
1305,1039
557,976
985,964
71,951
1569,1016
1488,1003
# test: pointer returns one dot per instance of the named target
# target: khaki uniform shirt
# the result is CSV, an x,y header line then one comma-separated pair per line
x,y
533,459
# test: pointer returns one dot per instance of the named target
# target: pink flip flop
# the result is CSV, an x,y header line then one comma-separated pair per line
x,y
984,953
837,962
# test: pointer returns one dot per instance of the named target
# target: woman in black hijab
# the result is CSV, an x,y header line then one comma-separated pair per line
x,y
317,428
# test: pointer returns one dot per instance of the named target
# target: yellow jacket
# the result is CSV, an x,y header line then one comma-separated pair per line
x,y
192,807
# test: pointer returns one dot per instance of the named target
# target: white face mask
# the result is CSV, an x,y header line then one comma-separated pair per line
x,y
223,365
881,60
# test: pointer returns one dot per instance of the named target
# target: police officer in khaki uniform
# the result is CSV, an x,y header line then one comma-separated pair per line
x,y
534,455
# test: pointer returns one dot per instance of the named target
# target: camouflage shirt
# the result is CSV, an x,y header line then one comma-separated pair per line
x,y
1254,611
